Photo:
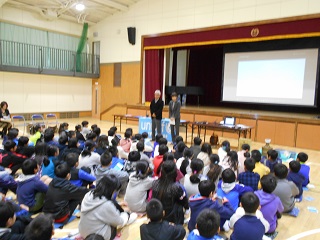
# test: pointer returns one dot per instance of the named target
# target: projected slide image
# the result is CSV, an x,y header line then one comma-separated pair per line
x,y
276,78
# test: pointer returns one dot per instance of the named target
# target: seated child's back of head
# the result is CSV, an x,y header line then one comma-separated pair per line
x,y
41,228
62,170
7,215
206,188
106,159
29,167
197,141
228,176
208,223
256,155
268,183
294,166
250,202
163,149
302,157
272,155
154,210
280,171
72,159
249,164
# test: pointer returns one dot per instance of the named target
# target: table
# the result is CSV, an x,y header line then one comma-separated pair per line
x,y
240,129
120,117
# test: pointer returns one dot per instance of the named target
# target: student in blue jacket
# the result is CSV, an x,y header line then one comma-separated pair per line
x,y
206,199
79,177
231,190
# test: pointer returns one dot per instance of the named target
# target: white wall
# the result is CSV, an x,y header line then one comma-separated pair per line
x,y
33,19
34,93
157,16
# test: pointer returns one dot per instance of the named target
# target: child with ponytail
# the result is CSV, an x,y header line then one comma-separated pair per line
x,y
191,181
89,158
213,170
138,187
50,162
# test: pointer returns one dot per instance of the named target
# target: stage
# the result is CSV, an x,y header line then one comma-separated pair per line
x,y
286,129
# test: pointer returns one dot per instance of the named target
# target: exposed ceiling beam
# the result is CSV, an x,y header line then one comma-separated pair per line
x,y
40,11
113,4
2,2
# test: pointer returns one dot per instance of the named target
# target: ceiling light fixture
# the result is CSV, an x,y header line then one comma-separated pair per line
x,y
80,7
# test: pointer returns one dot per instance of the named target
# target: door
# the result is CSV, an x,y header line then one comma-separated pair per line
x,y
96,100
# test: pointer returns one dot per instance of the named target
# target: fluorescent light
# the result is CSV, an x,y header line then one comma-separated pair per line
x,y
80,7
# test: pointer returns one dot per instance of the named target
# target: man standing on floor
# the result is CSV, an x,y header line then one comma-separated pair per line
x,y
156,107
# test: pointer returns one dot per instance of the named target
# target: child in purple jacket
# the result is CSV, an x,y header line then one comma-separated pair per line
x,y
206,199
271,206
31,190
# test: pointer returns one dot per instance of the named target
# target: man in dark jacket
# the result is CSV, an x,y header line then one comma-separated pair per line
x,y
62,197
156,107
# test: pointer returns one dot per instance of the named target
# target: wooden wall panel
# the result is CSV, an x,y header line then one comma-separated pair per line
x,y
265,129
308,136
284,134
127,93
207,118
251,123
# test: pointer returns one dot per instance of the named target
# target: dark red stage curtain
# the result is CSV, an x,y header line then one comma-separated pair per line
x,y
154,60
234,34
205,70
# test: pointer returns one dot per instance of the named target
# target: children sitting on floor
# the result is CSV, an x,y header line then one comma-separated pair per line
x,y
37,135
242,156
85,129
100,213
248,216
138,187
271,206
249,178
79,177
206,199
305,169
62,196
31,189
272,159
126,142
207,226
231,190
285,190
191,181
259,168
105,169
50,162
7,181
170,193
295,176
89,158
196,147
11,159
49,137
23,147
157,228
159,158
12,226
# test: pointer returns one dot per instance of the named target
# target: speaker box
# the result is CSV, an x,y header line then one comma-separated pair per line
x,y
132,35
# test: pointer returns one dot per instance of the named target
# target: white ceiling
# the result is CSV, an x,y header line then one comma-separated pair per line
x,y
95,11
